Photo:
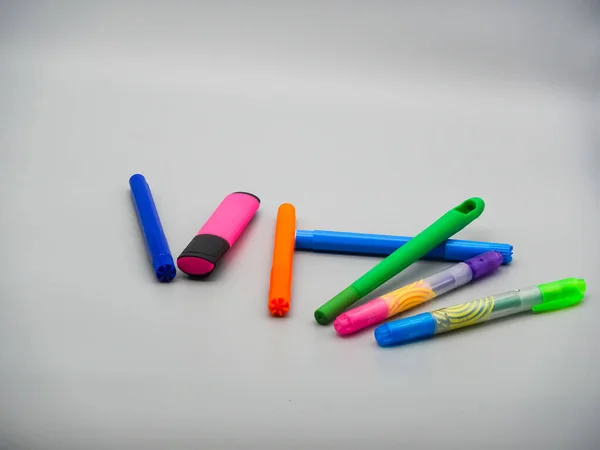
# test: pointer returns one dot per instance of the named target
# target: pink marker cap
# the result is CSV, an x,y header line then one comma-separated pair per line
x,y
218,234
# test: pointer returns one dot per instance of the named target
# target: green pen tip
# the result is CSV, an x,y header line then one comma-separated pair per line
x,y
334,307
580,285
321,317
561,294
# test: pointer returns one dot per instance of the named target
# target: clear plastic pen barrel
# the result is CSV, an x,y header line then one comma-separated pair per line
x,y
544,297
484,309
416,293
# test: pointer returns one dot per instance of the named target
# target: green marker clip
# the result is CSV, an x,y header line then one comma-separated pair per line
x,y
444,228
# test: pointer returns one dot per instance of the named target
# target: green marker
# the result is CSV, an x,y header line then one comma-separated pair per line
x,y
444,228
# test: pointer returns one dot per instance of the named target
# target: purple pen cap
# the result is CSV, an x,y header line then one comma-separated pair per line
x,y
484,264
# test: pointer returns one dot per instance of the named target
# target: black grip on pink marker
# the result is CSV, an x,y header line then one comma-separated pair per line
x,y
218,234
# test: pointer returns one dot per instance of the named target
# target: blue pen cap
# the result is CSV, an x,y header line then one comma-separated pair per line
x,y
156,241
406,330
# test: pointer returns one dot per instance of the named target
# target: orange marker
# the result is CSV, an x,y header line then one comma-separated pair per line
x,y
280,290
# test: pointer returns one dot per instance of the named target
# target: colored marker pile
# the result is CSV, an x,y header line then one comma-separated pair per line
x,y
477,259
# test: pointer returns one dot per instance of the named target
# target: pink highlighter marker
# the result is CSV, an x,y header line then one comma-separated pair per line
x,y
218,234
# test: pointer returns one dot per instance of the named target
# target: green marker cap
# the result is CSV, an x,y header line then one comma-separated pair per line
x,y
560,294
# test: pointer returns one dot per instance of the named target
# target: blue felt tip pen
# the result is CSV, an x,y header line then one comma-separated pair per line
x,y
162,261
384,245
541,298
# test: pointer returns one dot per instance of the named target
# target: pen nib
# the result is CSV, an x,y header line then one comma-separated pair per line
x,y
279,306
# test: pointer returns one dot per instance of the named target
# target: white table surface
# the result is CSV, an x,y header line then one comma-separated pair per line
x,y
371,117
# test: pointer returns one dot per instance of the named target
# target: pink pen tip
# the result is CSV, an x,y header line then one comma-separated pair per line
x,y
358,318
194,266
344,325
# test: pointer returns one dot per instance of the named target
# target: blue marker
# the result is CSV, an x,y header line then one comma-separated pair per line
x,y
384,245
162,261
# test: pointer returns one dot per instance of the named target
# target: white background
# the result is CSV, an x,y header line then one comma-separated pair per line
x,y
372,116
